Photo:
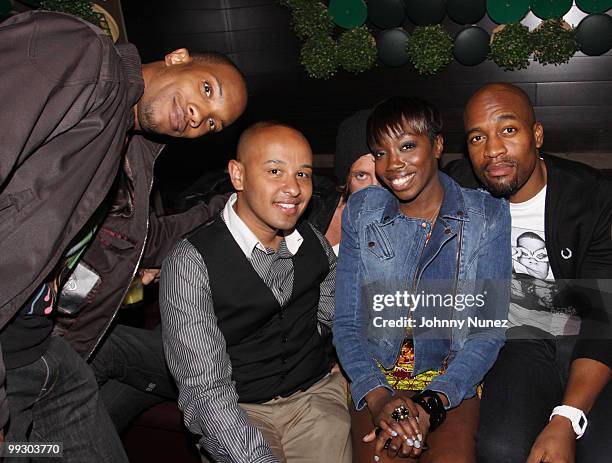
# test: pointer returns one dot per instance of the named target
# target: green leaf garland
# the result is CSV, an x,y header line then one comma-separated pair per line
x,y
430,47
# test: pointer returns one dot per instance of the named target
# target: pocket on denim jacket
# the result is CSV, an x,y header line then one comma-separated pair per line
x,y
377,242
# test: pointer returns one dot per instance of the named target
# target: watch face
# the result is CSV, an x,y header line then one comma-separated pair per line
x,y
575,415
507,11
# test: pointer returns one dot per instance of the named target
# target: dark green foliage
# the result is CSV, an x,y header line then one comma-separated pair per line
x,y
79,8
554,42
430,49
356,50
319,56
511,47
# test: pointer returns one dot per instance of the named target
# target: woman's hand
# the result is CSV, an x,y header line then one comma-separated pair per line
x,y
424,424
405,437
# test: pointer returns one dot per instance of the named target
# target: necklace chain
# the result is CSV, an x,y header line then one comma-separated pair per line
x,y
433,221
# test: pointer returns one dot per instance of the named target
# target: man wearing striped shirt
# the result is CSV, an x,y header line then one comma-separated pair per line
x,y
246,301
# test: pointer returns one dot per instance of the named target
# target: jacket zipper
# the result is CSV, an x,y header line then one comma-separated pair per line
x,y
457,262
144,243
414,285
417,276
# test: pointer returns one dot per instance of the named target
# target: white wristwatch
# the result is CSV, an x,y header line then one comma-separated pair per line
x,y
575,415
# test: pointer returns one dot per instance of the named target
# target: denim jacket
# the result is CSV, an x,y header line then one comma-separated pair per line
x,y
467,262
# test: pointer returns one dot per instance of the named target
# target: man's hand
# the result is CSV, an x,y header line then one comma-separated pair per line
x,y
148,275
555,444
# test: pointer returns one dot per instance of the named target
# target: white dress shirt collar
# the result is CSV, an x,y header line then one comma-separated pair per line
x,y
246,239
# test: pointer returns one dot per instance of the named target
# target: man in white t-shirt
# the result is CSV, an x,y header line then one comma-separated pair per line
x,y
556,366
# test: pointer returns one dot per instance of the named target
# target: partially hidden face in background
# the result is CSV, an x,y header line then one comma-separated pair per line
x,y
362,174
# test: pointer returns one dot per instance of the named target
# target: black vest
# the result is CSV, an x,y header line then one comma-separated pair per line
x,y
275,351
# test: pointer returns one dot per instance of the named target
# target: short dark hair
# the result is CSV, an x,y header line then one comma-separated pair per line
x,y
214,57
394,115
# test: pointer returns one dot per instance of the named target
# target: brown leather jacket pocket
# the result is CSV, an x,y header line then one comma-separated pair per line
x,y
10,205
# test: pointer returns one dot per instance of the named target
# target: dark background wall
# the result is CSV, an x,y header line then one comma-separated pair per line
x,y
574,101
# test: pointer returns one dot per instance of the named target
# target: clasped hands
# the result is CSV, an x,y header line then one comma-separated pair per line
x,y
401,428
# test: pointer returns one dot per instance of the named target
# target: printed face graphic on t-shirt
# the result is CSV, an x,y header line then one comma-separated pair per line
x,y
530,251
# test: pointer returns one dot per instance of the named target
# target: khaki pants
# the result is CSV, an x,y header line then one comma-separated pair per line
x,y
308,426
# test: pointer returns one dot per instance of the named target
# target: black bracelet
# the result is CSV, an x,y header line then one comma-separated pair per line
x,y
431,402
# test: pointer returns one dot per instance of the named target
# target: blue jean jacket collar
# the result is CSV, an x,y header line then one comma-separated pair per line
x,y
453,204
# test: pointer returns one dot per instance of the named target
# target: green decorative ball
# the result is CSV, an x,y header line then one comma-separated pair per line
x,y
554,42
507,11
319,56
511,47
348,13
356,50
594,6
430,49
550,9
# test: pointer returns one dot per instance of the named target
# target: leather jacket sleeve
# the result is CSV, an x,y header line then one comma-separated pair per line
x,y
595,285
4,411
165,231
46,95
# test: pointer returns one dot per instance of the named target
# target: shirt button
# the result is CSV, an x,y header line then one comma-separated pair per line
x,y
371,244
385,218
284,360
285,339
424,224
460,213
447,231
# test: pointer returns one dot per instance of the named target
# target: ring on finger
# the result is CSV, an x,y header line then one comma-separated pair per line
x,y
400,413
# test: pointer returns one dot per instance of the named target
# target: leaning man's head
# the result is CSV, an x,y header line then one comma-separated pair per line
x,y
503,137
272,175
190,95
